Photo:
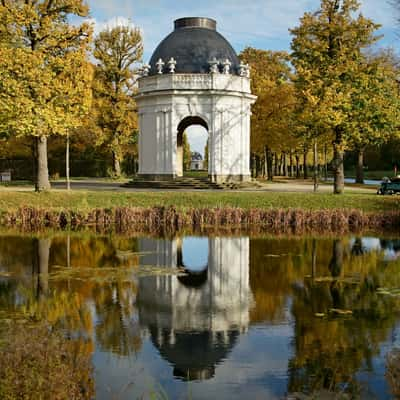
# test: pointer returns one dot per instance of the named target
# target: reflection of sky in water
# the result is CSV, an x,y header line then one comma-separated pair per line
x,y
195,253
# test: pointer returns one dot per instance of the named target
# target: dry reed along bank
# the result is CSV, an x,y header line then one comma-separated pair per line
x,y
171,212
171,220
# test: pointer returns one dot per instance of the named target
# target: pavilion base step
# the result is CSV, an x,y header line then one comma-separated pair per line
x,y
188,183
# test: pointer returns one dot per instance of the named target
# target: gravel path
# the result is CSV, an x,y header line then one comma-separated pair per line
x,y
296,186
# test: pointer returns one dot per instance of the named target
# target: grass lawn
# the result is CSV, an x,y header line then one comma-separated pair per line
x,y
86,200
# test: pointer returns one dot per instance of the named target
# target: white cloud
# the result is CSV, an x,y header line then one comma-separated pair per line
x,y
111,23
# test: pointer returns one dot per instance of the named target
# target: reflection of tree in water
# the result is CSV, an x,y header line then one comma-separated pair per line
x,y
8,295
330,350
16,253
274,266
335,268
117,328
387,244
94,252
66,302
40,264
357,249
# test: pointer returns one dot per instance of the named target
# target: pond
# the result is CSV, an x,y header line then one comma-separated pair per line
x,y
216,317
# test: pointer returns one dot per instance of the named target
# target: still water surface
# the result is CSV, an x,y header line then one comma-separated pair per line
x,y
218,317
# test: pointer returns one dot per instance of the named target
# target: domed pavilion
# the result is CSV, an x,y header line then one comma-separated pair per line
x,y
195,78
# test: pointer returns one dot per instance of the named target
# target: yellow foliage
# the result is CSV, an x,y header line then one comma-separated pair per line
x,y
45,75
272,112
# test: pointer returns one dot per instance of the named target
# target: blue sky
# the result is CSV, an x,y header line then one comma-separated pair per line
x,y
257,23
262,24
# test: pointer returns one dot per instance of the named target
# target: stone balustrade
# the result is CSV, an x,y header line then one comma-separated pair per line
x,y
174,81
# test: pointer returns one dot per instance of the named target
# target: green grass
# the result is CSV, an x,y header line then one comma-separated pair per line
x,y
86,200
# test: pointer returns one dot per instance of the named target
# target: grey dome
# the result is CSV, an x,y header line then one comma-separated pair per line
x,y
194,43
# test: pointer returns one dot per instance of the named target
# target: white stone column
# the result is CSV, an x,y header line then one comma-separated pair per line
x,y
140,144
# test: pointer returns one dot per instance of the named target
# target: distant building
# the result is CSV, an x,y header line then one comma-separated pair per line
x,y
197,162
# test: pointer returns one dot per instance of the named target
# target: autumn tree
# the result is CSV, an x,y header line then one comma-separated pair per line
x,y
271,118
118,51
327,53
375,109
44,74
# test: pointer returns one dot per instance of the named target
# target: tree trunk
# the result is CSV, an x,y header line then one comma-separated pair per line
x,y
285,169
266,162
326,162
305,172
280,169
315,166
291,164
67,165
134,165
268,156
360,166
34,158
297,166
42,182
263,167
337,164
116,164
276,164
258,166
253,165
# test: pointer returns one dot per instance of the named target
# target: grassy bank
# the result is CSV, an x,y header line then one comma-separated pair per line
x,y
84,201
176,211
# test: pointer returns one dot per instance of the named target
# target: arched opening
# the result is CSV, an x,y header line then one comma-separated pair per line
x,y
193,259
192,147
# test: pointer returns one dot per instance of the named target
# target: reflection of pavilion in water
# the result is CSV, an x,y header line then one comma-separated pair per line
x,y
195,320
